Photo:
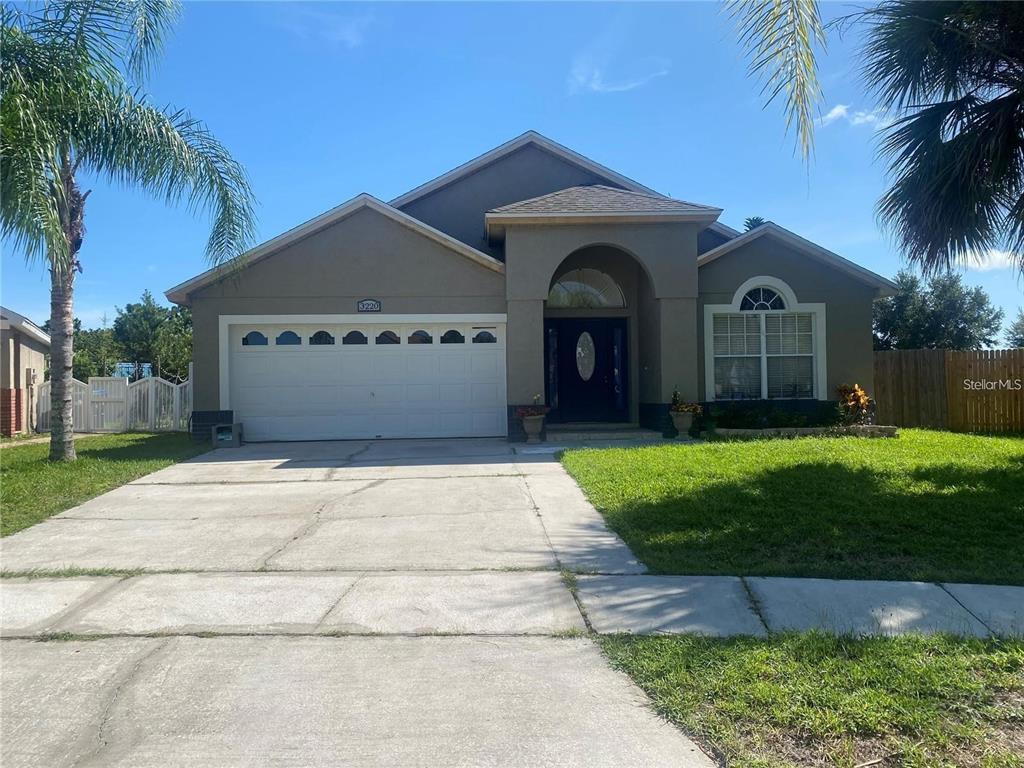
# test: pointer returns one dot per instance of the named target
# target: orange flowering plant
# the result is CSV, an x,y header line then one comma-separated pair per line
x,y
854,402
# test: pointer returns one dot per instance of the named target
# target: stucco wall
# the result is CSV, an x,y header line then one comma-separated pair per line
x,y
666,256
849,356
366,255
458,209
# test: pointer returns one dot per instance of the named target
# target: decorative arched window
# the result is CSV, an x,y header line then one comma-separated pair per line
x,y
254,339
420,337
287,339
586,289
761,300
452,337
485,337
388,337
321,338
765,345
354,337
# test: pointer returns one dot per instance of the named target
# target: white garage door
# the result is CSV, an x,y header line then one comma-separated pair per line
x,y
324,381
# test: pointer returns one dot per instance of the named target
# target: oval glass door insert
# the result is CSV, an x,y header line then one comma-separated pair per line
x,y
585,356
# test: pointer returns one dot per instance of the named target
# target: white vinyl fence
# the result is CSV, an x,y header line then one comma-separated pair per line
x,y
111,404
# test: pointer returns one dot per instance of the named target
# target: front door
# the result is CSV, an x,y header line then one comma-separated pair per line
x,y
585,369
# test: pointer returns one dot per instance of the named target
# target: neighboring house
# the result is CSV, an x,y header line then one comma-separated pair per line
x,y
529,271
24,347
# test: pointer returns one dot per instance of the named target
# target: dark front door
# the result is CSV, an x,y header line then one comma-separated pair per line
x,y
585,370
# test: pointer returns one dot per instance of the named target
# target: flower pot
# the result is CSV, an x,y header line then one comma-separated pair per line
x,y
533,425
683,422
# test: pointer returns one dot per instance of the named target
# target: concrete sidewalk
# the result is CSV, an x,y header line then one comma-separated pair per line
x,y
490,602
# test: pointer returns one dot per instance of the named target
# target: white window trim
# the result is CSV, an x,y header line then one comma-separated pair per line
x,y
367,320
818,329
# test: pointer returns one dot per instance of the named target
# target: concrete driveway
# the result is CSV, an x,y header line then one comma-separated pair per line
x,y
376,603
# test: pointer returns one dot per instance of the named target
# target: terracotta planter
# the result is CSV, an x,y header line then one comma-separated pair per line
x,y
682,422
533,425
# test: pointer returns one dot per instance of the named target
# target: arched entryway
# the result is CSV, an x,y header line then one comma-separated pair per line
x,y
591,339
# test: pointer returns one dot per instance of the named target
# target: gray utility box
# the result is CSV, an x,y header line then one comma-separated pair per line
x,y
227,435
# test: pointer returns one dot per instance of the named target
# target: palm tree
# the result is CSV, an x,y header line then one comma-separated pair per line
x,y
751,222
952,74
69,103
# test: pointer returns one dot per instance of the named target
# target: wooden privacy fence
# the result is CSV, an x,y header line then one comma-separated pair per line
x,y
112,404
964,391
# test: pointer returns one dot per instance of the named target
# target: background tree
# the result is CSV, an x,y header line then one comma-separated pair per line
x,y
70,102
751,222
942,314
172,347
1015,331
952,75
136,327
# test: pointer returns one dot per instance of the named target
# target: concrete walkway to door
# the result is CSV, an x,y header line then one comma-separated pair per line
x,y
367,604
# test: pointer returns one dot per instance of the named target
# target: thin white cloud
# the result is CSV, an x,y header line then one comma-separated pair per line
x,y
587,75
837,112
598,68
336,28
875,117
993,259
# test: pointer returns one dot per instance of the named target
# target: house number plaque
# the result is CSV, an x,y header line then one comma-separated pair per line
x,y
368,305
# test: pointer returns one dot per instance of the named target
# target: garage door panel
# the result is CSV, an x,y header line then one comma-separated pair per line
x,y
484,394
387,394
365,391
452,393
387,366
421,393
421,365
453,367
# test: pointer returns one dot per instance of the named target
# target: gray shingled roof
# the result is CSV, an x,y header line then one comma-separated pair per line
x,y
598,199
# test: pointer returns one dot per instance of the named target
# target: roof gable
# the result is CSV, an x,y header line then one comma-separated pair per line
x,y
802,245
179,294
530,138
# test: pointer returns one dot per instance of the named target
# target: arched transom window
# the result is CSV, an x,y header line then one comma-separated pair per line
x,y
769,349
585,289
760,300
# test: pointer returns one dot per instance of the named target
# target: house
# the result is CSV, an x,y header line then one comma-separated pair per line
x,y
24,347
530,271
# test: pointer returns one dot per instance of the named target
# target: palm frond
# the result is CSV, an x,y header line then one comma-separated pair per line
x,y
952,71
117,36
171,155
780,38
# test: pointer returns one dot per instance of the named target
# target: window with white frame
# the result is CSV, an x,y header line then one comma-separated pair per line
x,y
765,350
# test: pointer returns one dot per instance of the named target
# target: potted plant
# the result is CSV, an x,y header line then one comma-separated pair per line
x,y
532,417
683,413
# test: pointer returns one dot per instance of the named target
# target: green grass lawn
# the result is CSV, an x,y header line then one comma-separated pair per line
x,y
930,506
818,700
32,488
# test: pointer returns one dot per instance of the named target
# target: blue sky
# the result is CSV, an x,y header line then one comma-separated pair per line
x,y
321,101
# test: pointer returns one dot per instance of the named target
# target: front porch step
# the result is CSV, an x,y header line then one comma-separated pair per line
x,y
599,432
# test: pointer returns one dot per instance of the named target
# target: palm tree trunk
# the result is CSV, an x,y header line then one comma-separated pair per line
x,y
62,428
62,318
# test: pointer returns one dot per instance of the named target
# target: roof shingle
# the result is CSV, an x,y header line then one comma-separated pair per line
x,y
600,199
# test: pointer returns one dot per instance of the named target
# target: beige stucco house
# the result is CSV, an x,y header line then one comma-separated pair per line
x,y
530,271
24,347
